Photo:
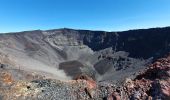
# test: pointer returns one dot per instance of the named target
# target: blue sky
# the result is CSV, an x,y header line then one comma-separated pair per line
x,y
109,15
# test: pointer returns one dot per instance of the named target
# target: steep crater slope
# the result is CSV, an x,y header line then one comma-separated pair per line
x,y
144,43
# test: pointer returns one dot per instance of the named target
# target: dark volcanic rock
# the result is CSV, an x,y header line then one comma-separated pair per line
x,y
103,66
72,68
143,43
153,83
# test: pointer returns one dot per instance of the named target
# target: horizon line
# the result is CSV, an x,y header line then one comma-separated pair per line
x,y
82,29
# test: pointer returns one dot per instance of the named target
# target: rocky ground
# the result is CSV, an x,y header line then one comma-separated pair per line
x,y
151,84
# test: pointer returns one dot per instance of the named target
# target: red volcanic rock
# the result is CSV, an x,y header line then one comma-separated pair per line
x,y
90,82
83,77
165,88
153,83
6,78
158,77
114,96
91,85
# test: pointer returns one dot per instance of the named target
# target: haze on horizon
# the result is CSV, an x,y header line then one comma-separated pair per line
x,y
108,15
